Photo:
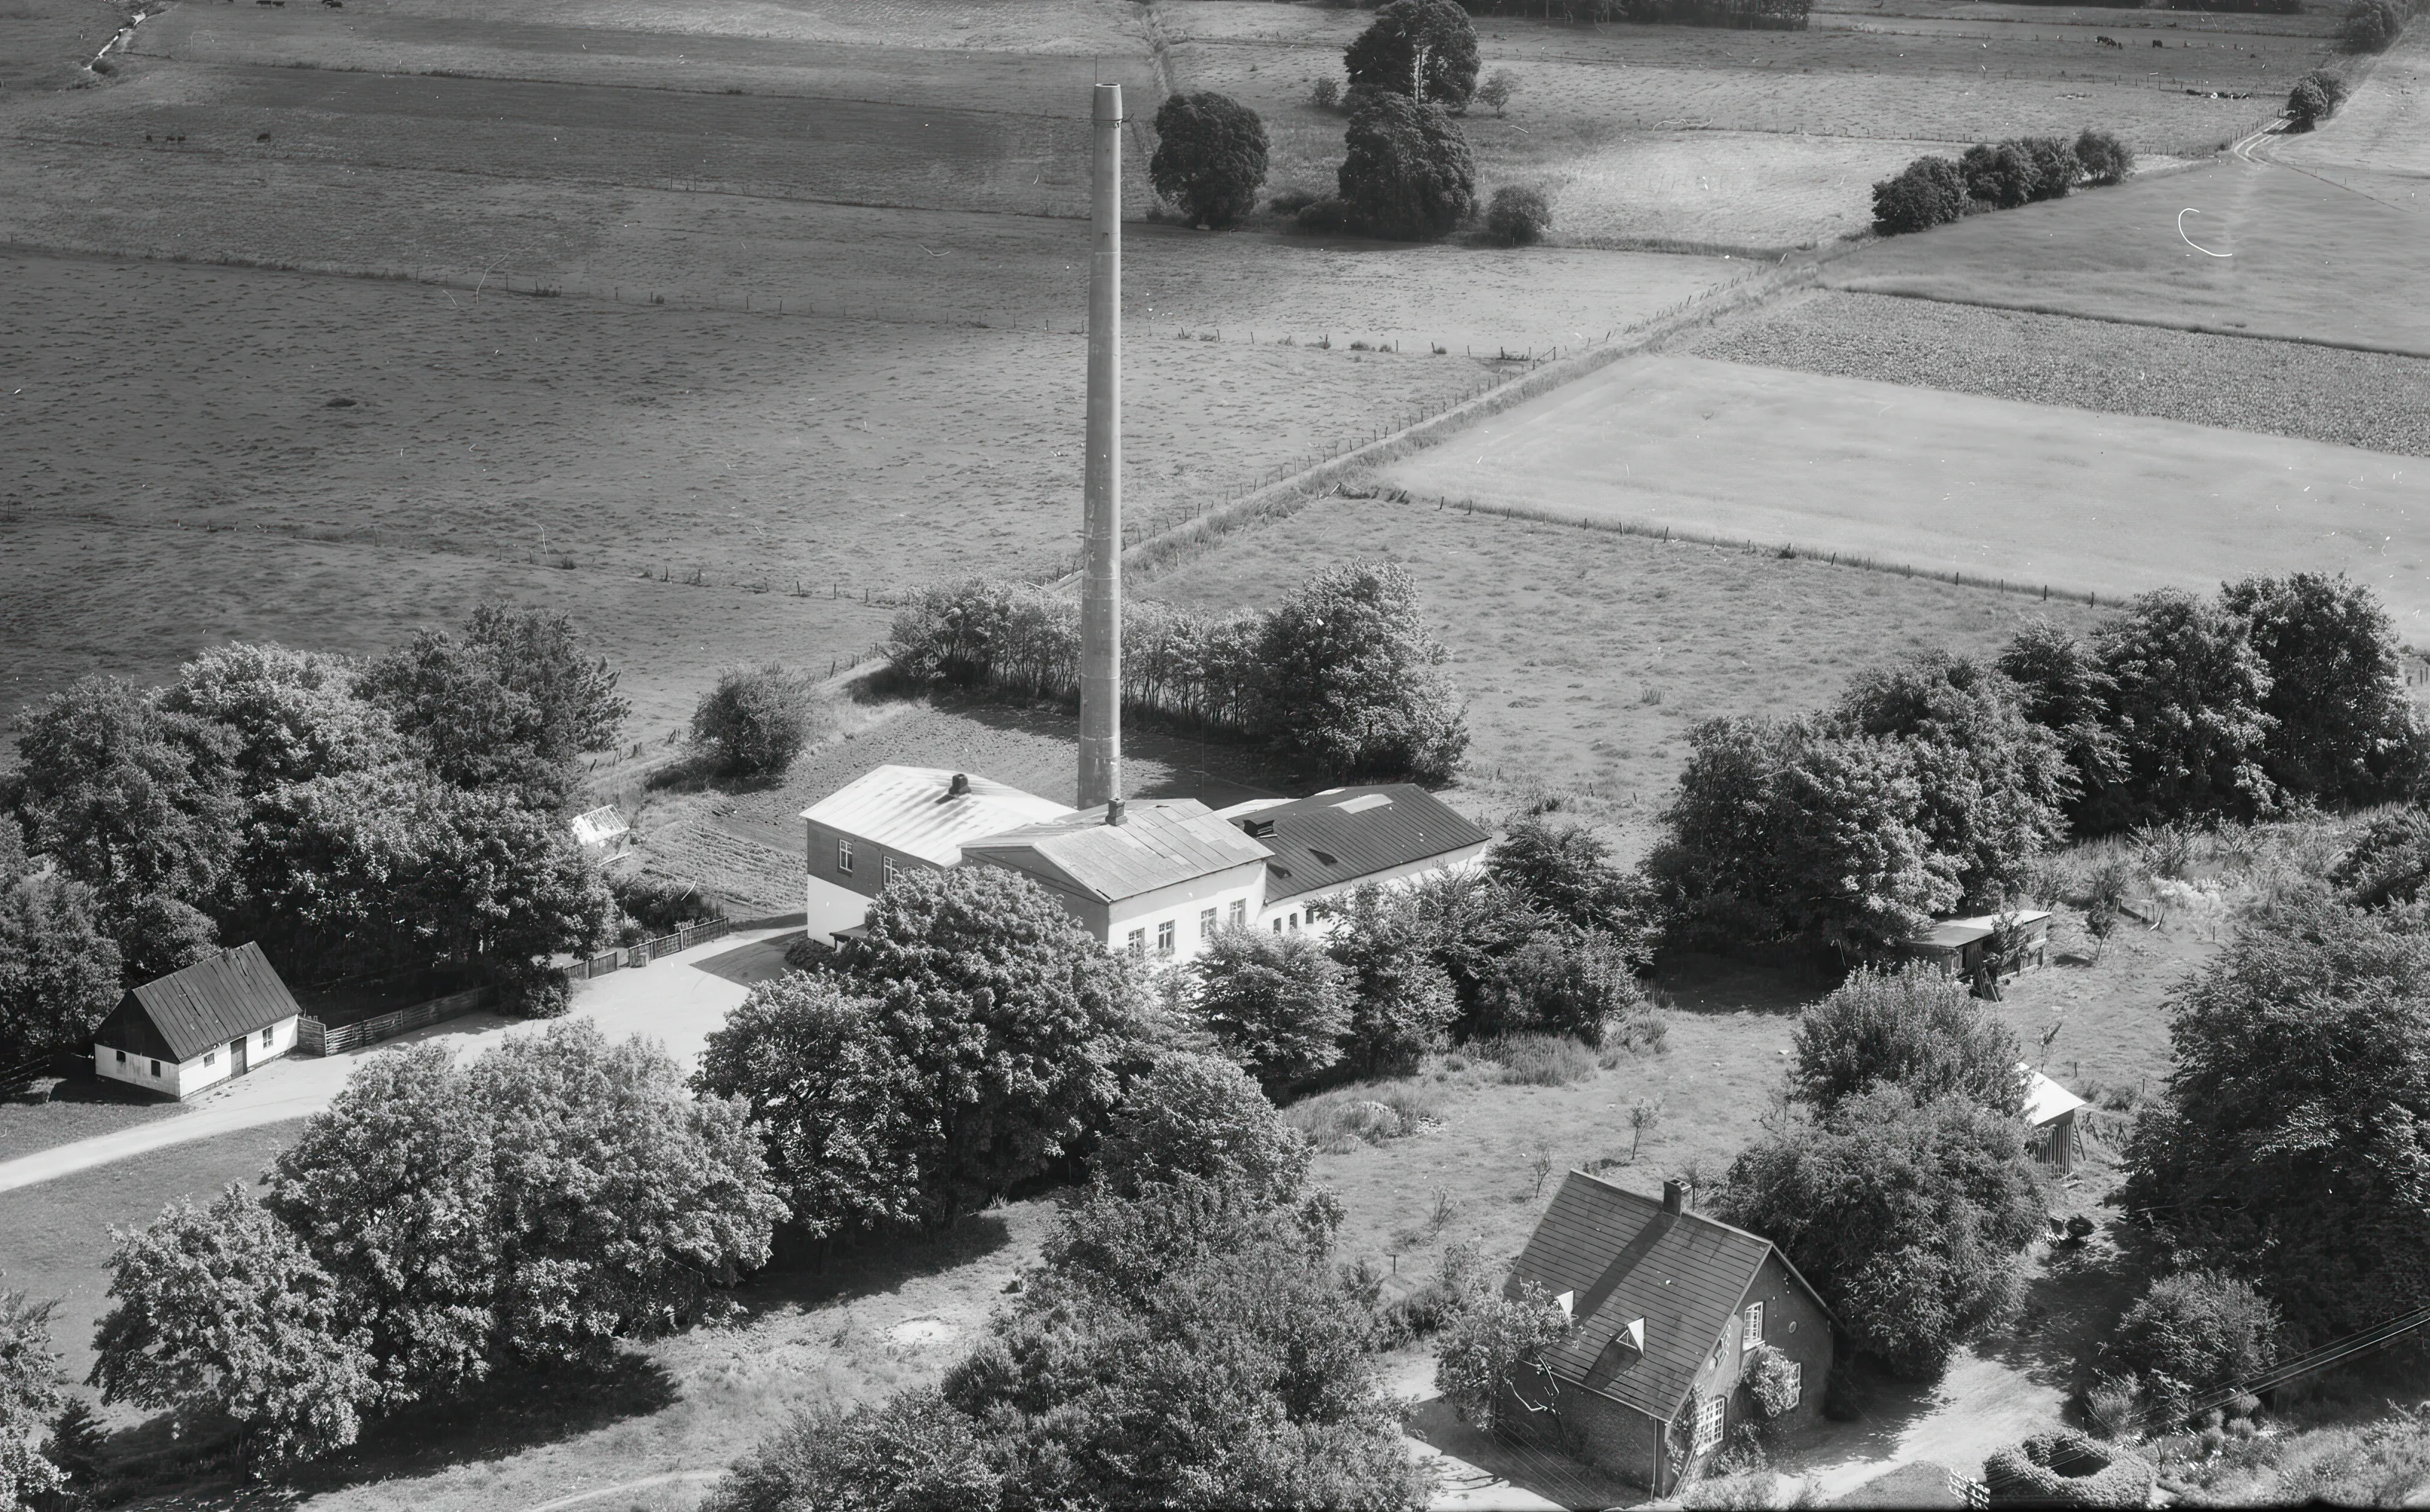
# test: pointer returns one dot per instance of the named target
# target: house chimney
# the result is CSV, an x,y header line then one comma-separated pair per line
x,y
959,787
1114,812
1101,590
1679,1197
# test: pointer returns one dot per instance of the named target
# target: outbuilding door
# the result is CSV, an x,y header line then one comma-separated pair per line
x,y
235,1057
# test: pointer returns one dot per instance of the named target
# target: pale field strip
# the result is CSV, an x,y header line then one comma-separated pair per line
x,y
2026,494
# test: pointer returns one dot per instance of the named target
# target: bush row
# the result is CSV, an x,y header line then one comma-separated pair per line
x,y
1743,15
1934,190
2315,98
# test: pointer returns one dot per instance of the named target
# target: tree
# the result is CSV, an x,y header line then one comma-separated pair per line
x,y
1408,175
755,721
1014,1018
1420,49
159,935
2001,177
28,1396
1908,1218
125,797
1491,1363
2187,713
292,715
1275,1002
1350,685
1566,870
1401,999
1916,1031
2103,158
1211,156
1496,91
2062,687
1994,785
1561,981
510,702
2371,25
2196,1331
58,973
844,1114
620,1202
2343,729
910,1452
2055,168
392,1190
2286,1149
1929,191
2388,864
220,1309
1197,1116
1519,216
76,1446
1471,924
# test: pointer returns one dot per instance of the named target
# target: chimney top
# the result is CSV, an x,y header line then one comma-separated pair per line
x,y
1679,1197
1114,812
959,787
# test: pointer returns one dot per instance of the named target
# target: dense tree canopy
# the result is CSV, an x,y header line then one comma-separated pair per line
x,y
1353,685
1402,1004
2288,1148
1423,49
1918,1031
1211,156
2063,687
291,715
1908,1217
1406,173
1566,870
1197,1116
59,974
127,797
28,1393
2343,729
2187,709
1277,1003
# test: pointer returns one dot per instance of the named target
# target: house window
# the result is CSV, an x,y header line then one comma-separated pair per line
x,y
1294,918
1240,913
888,862
265,1038
1278,926
1206,922
844,857
1753,1324
1164,938
1138,942
210,1058
1709,1424
156,1068
121,1057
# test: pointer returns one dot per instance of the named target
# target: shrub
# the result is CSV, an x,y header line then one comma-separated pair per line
x,y
2066,1469
908,1451
2001,177
1422,49
2371,25
1277,1003
1538,1059
2114,1404
1211,156
1326,94
1561,981
1493,1353
1771,1381
1291,201
2194,1332
1350,683
1408,175
2103,158
1916,1030
1929,191
2389,863
1565,872
1458,1285
1517,216
659,904
755,721
1496,91
29,1394
2316,97
2055,167
1323,217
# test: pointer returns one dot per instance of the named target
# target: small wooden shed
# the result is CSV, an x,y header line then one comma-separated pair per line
x,y
2054,1137
1960,946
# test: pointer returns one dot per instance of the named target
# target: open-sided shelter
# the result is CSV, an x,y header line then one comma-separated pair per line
x,y
197,1027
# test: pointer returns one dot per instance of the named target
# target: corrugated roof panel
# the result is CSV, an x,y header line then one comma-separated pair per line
x,y
1627,1258
914,812
1158,843
1343,834
225,997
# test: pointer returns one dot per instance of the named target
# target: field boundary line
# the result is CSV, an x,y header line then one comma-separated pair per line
x,y
2195,327
1161,549
1787,550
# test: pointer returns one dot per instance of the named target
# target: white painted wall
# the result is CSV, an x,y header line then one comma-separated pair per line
x,y
1184,907
1290,913
832,907
183,1079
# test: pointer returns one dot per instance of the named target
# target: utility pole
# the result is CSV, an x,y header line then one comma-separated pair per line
x,y
1101,602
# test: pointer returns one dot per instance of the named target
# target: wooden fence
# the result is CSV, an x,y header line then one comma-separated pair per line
x,y
648,950
313,1037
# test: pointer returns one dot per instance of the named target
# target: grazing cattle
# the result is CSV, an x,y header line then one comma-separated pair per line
x,y
2109,42
2156,42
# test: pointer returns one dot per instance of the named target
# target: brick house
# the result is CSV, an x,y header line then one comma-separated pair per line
x,y
1668,1303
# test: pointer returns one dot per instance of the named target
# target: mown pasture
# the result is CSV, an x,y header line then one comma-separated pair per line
x,y
2029,494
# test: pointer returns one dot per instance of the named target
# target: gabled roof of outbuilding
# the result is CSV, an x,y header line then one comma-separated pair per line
x,y
1343,834
915,811
1160,841
1627,1258
218,998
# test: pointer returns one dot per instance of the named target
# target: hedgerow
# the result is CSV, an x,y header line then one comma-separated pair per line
x,y
1933,190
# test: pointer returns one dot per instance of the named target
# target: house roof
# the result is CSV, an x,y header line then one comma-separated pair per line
x,y
1343,834
914,810
2046,1099
1159,842
1955,934
218,998
1627,1258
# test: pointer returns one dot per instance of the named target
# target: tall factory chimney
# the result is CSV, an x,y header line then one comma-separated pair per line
x,y
1101,602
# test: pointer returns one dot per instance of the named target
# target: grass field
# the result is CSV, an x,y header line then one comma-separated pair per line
x,y
2028,493
53,1111
1586,657
2370,400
